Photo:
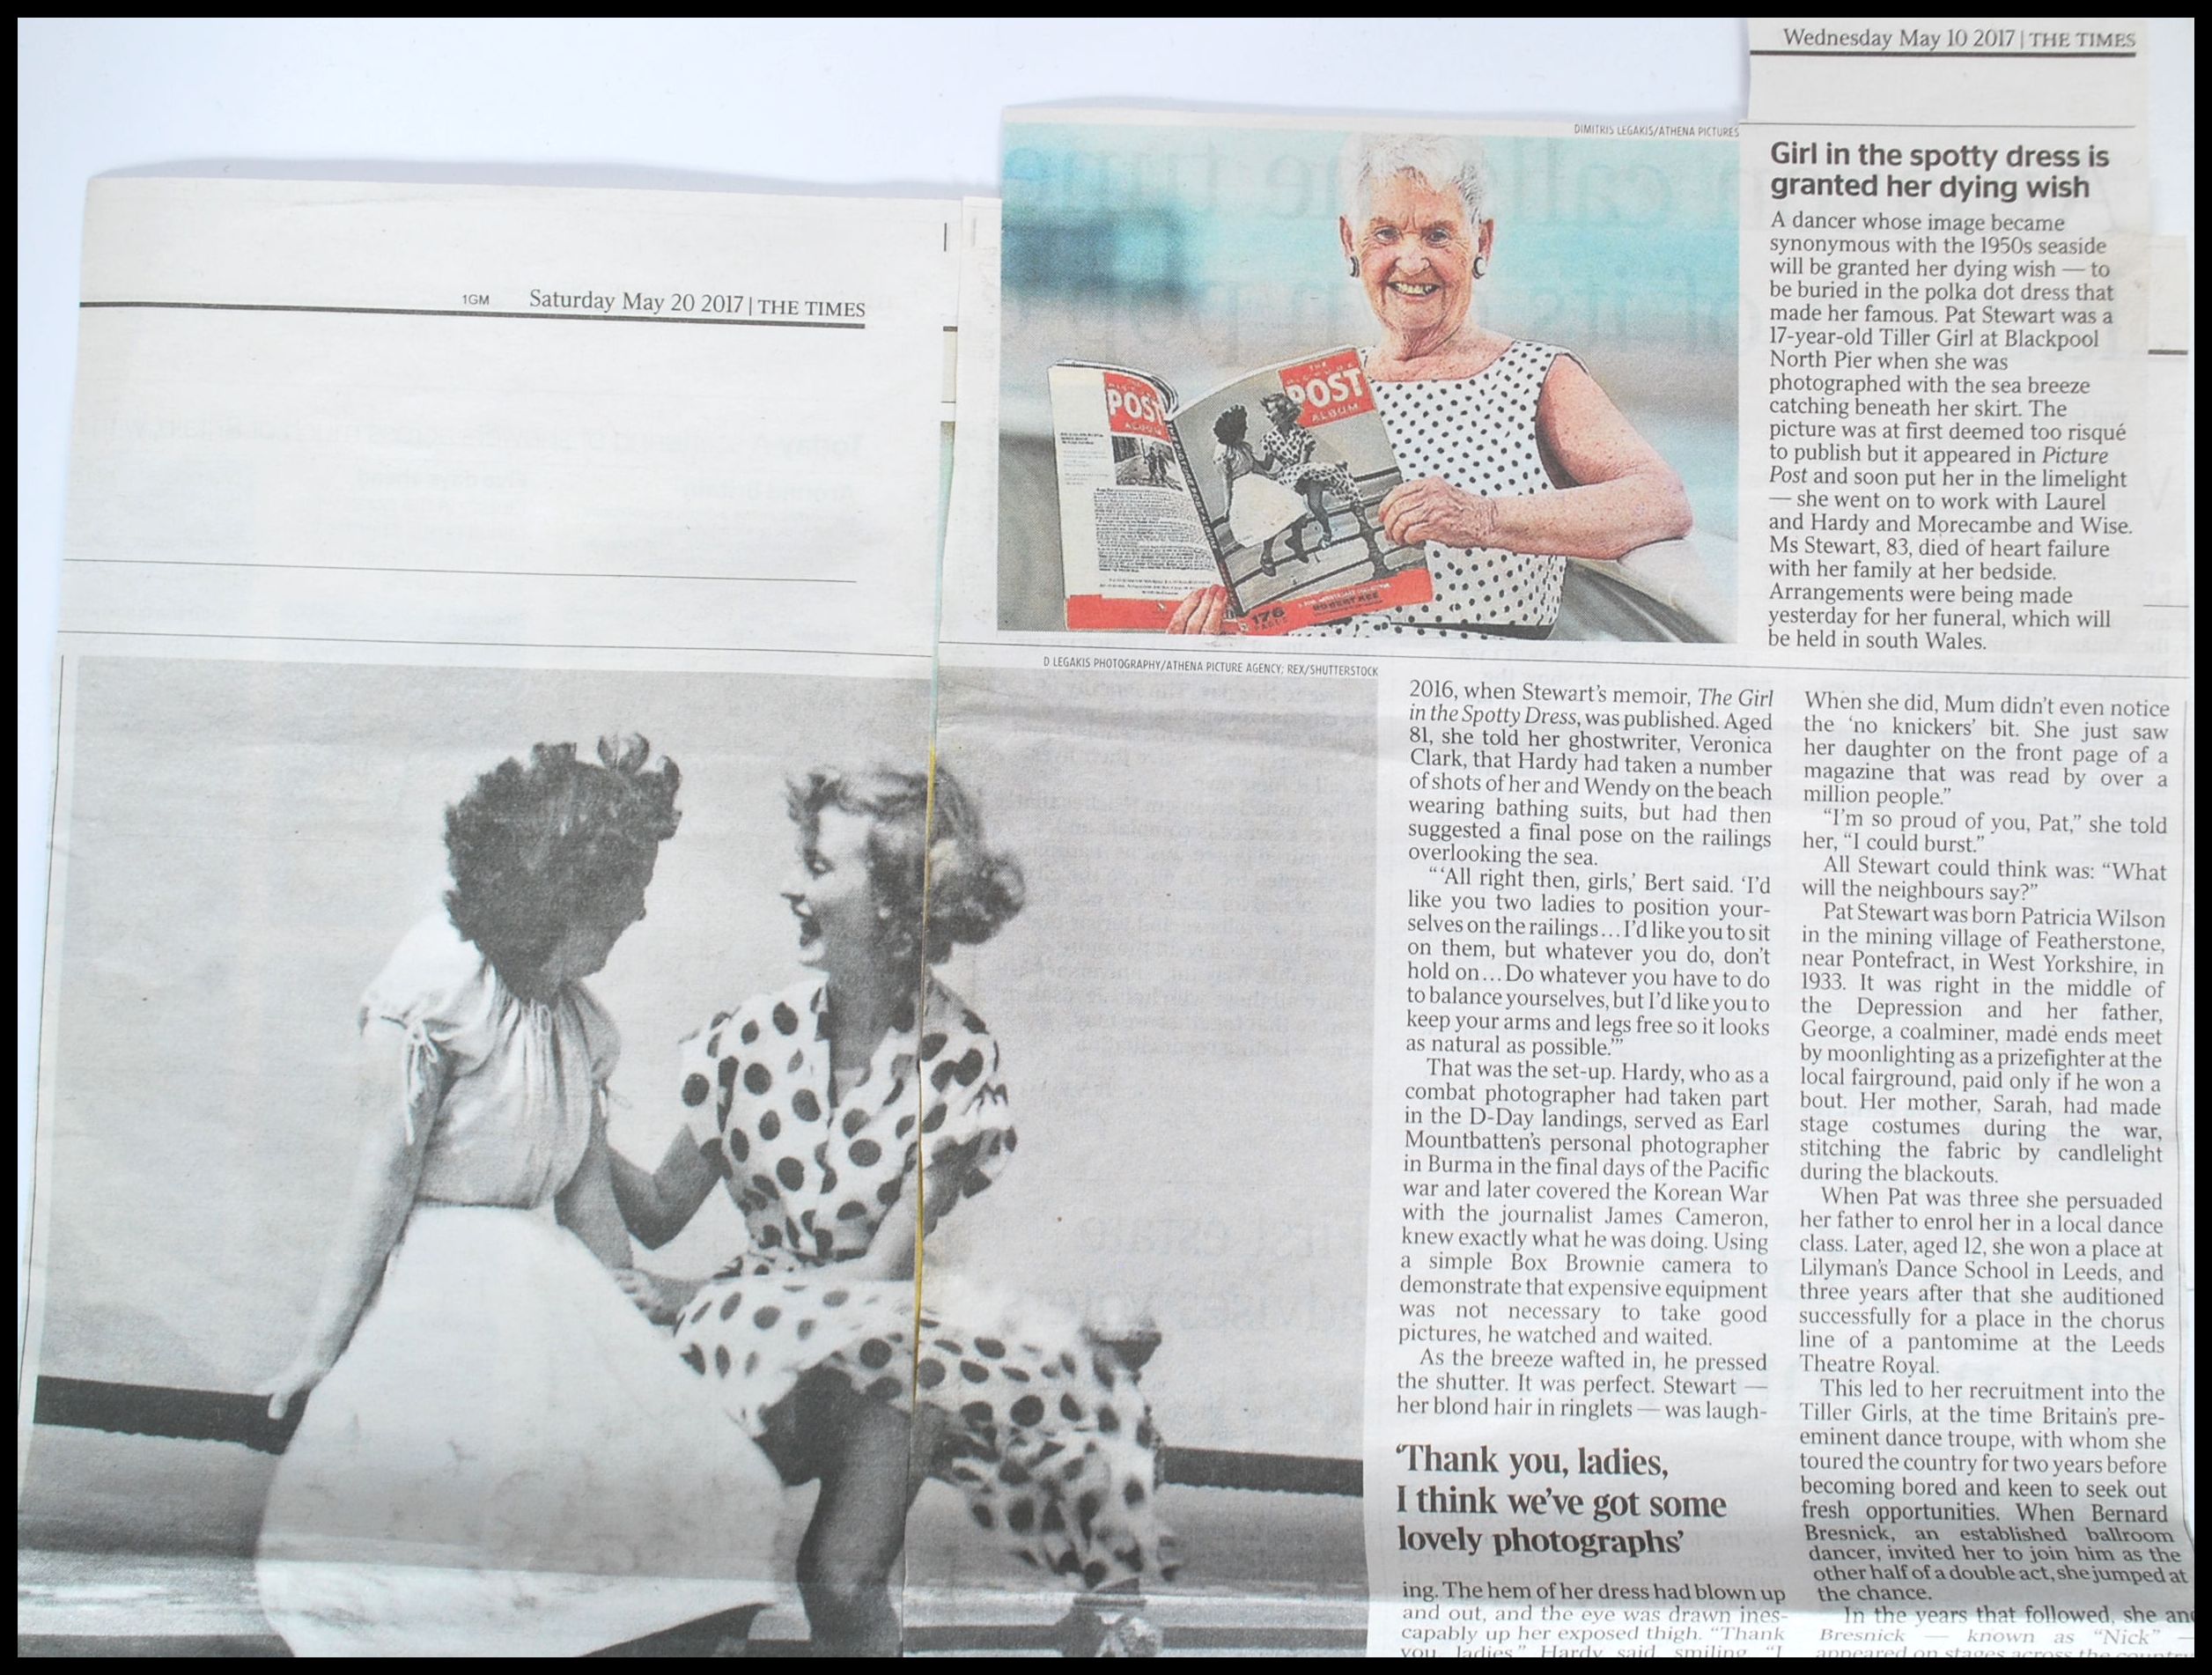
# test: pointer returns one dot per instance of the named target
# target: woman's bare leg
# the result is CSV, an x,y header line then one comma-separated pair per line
x,y
876,1462
1368,532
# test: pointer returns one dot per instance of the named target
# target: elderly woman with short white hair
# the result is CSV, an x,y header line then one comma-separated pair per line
x,y
1514,459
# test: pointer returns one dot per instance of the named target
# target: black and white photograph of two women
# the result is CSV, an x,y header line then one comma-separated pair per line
x,y
495,1119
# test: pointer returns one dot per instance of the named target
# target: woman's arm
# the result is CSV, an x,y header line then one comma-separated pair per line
x,y
385,1175
890,1254
590,1207
656,1207
1625,496
659,1206
585,1206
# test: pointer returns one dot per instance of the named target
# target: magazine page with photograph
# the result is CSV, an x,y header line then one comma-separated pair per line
x,y
1300,463
1284,502
1130,520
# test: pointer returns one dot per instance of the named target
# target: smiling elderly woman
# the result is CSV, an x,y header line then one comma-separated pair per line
x,y
1514,461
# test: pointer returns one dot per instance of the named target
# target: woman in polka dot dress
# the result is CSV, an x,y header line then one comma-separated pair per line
x,y
1287,453
834,1112
1514,461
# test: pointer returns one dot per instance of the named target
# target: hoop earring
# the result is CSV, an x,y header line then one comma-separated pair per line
x,y
1352,267
1481,266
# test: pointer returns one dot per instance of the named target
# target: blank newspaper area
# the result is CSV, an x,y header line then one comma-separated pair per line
x,y
508,418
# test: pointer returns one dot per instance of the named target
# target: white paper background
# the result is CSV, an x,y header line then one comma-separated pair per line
x,y
718,105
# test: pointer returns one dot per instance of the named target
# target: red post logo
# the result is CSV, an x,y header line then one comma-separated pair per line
x,y
1332,388
1133,408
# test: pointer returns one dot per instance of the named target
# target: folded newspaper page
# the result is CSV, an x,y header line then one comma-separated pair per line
x,y
1775,1240
754,955
495,691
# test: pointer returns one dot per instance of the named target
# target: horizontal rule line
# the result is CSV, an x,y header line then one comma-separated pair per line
x,y
453,570
1863,52
513,645
481,313
2092,128
2023,127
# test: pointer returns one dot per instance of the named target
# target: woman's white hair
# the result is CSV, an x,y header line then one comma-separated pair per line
x,y
1443,163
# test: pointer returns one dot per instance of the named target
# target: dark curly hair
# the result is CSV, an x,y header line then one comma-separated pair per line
x,y
972,890
1230,425
533,850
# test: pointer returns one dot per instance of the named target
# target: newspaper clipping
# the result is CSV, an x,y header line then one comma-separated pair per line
x,y
1382,886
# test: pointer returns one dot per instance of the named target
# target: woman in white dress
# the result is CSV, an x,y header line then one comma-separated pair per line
x,y
1265,508
500,1457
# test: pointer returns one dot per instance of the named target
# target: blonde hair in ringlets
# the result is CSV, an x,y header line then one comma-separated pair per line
x,y
972,890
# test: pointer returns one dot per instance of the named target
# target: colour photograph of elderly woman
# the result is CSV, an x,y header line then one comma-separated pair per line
x,y
1547,325
495,1119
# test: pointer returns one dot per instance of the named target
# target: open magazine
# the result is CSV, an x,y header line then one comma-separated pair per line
x,y
1268,485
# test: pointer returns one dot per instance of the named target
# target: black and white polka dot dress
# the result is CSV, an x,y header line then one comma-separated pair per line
x,y
1050,1438
1288,456
1477,434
